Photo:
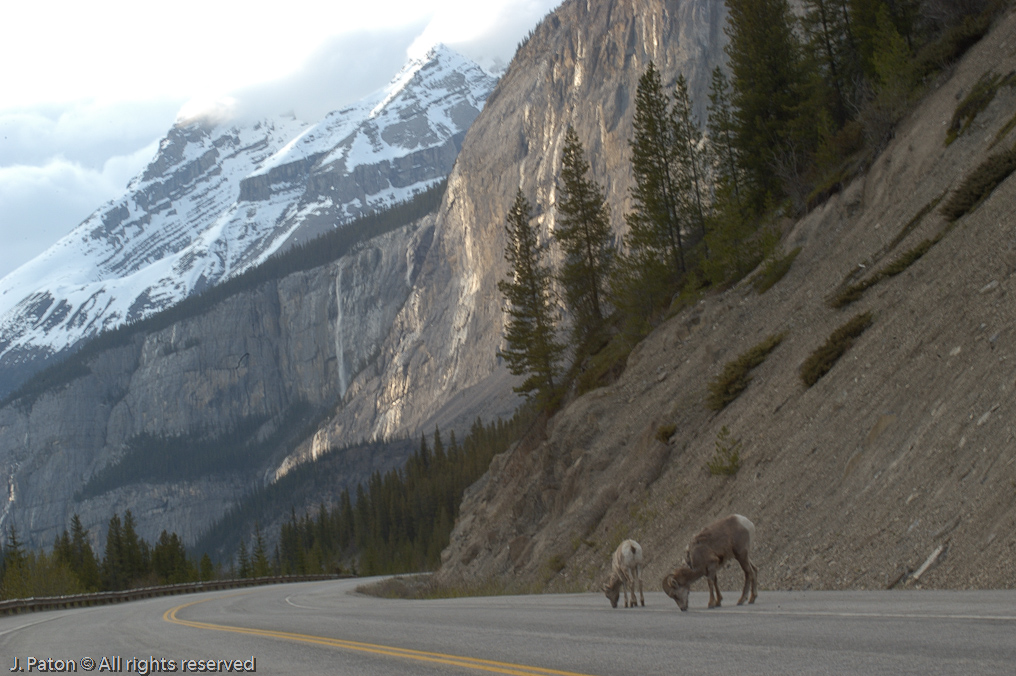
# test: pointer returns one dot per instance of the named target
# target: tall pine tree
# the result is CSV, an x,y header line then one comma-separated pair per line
x,y
583,230
654,224
771,97
829,43
690,160
532,348
726,159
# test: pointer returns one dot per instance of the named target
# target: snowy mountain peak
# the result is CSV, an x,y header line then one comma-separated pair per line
x,y
220,197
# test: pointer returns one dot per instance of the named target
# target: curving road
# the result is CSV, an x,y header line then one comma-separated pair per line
x,y
326,628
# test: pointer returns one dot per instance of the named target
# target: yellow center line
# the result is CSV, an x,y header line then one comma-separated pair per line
x,y
387,651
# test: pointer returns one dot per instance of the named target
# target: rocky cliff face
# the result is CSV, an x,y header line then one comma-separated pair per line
x,y
902,459
581,67
286,349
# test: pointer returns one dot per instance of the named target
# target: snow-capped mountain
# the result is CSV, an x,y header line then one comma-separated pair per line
x,y
220,198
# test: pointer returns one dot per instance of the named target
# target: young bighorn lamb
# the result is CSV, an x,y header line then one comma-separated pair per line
x,y
730,537
626,568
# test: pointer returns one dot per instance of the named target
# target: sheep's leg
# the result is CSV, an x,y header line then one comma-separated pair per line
x,y
714,587
638,575
625,584
749,578
754,582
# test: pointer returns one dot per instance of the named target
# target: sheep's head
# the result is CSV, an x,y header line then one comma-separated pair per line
x,y
675,589
613,593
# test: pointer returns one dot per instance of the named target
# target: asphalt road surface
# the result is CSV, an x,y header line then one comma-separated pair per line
x,y
326,628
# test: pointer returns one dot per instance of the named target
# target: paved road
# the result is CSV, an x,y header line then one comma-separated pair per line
x,y
324,628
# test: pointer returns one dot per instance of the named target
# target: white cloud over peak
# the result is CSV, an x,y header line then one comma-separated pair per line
x,y
97,84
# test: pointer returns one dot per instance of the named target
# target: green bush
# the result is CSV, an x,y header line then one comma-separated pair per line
x,y
773,271
556,564
824,358
980,96
664,432
734,378
1004,131
726,458
853,292
908,258
954,42
604,367
979,184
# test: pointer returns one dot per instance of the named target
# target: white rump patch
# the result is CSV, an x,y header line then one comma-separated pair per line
x,y
748,525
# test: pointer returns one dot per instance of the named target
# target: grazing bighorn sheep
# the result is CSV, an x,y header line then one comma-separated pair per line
x,y
730,537
626,568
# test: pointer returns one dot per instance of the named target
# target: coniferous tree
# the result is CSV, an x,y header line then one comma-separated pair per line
x,y
690,159
864,16
206,569
136,554
891,80
732,234
260,567
531,348
654,225
771,97
243,561
74,550
829,42
169,560
14,583
84,563
653,264
583,230
726,159
114,567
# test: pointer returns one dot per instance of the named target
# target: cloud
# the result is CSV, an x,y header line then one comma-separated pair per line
x,y
486,32
342,70
41,204
69,142
86,131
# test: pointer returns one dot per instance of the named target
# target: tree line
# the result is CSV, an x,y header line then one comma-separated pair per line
x,y
395,522
804,104
72,566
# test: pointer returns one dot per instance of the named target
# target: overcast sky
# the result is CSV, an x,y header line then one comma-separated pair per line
x,y
89,88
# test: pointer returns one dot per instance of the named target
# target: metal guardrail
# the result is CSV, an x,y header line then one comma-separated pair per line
x,y
29,605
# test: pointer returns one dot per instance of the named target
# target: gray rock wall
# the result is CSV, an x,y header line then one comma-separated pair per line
x,y
254,356
581,67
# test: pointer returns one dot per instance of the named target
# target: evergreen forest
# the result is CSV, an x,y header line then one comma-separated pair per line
x,y
73,567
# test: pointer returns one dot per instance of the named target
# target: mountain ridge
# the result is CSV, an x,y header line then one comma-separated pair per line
x,y
219,198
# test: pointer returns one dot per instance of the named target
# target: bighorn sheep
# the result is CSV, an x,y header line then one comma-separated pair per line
x,y
626,568
717,543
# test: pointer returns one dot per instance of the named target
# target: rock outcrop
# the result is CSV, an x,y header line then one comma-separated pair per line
x,y
580,67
